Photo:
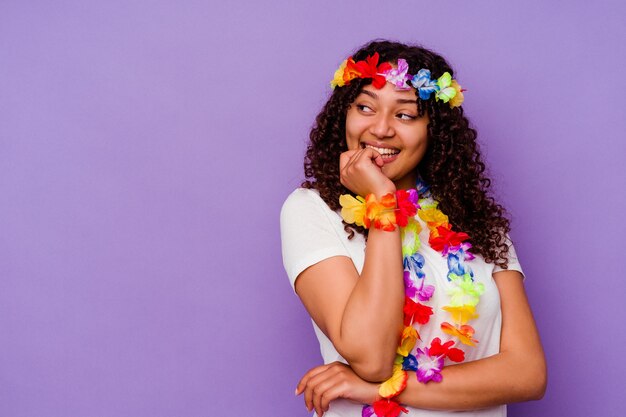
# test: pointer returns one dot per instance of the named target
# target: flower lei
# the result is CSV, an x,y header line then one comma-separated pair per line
x,y
445,88
428,360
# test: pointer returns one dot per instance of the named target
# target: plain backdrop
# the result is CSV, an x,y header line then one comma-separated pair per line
x,y
146,148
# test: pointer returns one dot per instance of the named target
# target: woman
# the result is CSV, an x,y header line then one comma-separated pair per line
x,y
401,256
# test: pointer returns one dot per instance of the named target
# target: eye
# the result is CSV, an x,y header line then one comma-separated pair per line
x,y
364,108
405,116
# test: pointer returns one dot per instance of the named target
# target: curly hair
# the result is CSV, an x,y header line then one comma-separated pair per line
x,y
451,166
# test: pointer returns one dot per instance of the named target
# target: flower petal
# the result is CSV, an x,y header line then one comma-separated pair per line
x,y
394,385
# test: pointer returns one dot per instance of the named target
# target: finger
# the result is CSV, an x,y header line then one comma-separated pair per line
x,y
336,391
379,161
311,386
366,157
319,393
370,153
345,157
323,382
310,374
351,158
318,383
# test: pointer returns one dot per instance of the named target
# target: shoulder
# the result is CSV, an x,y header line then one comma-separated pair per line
x,y
310,232
512,259
304,203
301,197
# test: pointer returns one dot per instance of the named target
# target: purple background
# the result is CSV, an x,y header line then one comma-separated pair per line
x,y
146,148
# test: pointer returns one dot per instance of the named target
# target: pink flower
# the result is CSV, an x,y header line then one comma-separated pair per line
x,y
428,367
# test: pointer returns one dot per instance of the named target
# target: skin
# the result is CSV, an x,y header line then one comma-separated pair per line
x,y
345,305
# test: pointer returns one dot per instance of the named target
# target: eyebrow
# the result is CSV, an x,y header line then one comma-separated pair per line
x,y
400,100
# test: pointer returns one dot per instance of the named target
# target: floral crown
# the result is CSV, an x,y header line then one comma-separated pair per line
x,y
445,88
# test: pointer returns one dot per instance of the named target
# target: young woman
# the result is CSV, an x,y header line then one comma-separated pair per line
x,y
401,256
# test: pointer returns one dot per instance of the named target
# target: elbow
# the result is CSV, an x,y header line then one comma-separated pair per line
x,y
536,382
537,389
372,367
372,364
373,372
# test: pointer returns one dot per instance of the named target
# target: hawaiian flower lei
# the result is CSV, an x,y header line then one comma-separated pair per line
x,y
428,360
445,88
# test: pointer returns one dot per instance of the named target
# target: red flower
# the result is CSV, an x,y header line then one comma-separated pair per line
x,y
446,238
437,349
406,208
370,69
416,312
388,408
351,71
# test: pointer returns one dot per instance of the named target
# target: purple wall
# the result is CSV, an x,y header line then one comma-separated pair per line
x,y
146,148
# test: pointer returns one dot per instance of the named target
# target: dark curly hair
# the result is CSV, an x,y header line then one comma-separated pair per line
x,y
452,165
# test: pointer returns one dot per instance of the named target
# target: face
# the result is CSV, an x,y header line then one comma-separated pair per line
x,y
387,120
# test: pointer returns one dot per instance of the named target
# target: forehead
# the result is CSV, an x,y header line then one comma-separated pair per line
x,y
389,93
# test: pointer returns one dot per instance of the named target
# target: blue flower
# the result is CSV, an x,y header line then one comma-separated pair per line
x,y
409,363
422,83
455,265
414,264
423,190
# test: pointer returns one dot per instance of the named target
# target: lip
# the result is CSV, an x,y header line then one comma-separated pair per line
x,y
378,145
387,159
390,159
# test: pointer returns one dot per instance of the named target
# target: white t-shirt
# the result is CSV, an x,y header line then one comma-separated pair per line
x,y
312,232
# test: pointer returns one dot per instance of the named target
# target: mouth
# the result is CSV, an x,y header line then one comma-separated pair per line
x,y
388,154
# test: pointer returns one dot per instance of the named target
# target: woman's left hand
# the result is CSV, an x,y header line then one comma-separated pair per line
x,y
325,383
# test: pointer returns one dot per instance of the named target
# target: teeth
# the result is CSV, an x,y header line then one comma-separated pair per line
x,y
383,151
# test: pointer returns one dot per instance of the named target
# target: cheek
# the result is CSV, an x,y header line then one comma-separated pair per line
x,y
351,141
353,134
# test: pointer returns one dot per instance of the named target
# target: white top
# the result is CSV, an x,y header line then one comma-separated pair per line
x,y
312,232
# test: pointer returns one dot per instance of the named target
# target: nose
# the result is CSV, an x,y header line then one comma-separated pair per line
x,y
381,127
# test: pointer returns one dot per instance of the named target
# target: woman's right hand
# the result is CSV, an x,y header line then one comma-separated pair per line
x,y
360,171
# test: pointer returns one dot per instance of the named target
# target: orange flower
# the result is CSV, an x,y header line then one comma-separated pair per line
x,y
407,342
381,213
465,333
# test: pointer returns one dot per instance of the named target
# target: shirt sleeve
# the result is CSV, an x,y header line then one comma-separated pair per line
x,y
307,233
513,261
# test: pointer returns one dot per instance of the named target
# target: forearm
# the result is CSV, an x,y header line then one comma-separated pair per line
x,y
500,379
372,319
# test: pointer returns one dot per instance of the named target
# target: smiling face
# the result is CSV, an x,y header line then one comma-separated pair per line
x,y
387,120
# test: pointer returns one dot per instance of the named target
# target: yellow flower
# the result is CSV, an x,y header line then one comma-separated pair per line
x,y
352,209
462,314
395,384
458,98
338,80
434,217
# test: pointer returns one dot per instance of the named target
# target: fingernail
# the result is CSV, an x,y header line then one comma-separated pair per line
x,y
296,392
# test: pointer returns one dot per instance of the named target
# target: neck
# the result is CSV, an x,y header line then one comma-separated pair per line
x,y
407,182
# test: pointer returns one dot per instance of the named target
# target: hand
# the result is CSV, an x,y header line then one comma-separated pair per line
x,y
325,383
360,171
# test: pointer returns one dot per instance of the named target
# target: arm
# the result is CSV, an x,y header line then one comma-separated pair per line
x,y
361,315
356,312
517,373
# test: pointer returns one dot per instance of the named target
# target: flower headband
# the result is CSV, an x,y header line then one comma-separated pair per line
x,y
445,88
